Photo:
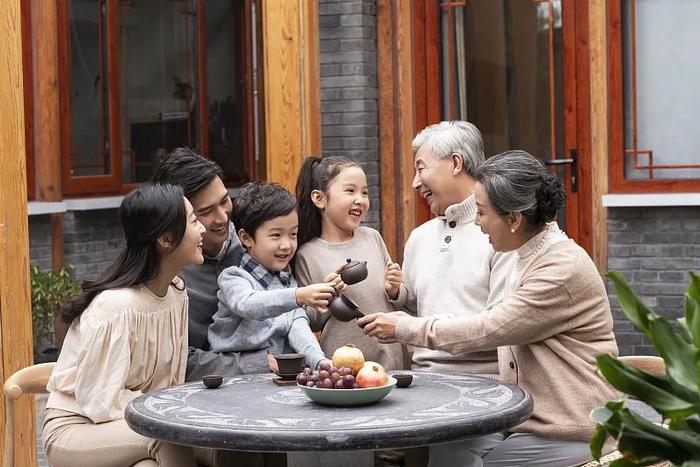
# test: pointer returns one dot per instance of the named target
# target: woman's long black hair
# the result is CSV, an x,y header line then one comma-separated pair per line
x,y
315,174
147,213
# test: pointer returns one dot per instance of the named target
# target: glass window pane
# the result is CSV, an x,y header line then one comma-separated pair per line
x,y
661,93
158,73
88,88
502,69
497,73
225,110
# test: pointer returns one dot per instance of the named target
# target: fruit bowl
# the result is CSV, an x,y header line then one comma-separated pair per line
x,y
348,397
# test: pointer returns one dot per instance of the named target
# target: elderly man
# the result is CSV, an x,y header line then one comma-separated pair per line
x,y
449,266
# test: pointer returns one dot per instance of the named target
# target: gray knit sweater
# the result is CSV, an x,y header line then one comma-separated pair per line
x,y
252,318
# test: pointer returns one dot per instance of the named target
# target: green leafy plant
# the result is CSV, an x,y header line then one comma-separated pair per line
x,y
49,290
674,395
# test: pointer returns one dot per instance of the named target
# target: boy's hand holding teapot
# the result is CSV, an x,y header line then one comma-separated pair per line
x,y
319,295
392,279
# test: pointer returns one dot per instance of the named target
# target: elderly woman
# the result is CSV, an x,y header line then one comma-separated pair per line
x,y
553,321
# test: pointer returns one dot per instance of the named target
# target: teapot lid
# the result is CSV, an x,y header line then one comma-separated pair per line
x,y
349,263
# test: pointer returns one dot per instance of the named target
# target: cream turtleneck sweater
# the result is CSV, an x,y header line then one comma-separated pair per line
x,y
450,270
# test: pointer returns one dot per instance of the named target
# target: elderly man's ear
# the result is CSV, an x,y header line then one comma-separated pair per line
x,y
457,164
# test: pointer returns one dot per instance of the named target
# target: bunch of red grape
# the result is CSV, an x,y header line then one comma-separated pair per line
x,y
327,377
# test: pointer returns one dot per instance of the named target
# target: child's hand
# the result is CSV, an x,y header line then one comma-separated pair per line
x,y
392,279
335,280
315,295
272,363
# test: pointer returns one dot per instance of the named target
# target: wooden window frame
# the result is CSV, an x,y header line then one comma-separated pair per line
x,y
618,182
28,89
113,183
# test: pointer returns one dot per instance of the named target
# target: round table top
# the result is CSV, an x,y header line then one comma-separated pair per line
x,y
251,413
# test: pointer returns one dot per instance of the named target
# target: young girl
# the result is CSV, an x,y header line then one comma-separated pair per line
x,y
333,201
127,336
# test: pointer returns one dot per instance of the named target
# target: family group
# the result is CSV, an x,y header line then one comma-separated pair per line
x,y
209,285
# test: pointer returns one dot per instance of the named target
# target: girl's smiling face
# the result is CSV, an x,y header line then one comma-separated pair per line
x,y
345,204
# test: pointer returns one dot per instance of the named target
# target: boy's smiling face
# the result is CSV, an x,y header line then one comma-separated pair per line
x,y
274,243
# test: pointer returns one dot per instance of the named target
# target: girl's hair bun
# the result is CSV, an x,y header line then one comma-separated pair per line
x,y
551,196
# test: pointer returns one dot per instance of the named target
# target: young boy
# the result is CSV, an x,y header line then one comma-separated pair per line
x,y
259,301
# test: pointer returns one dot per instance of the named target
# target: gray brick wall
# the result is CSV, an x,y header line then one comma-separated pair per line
x,y
349,94
40,241
654,248
92,239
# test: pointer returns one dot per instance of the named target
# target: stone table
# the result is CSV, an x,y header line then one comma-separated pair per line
x,y
251,413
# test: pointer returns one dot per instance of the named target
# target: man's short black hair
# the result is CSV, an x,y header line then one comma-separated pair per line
x,y
186,168
258,202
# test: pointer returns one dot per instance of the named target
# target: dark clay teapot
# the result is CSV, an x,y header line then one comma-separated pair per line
x,y
343,309
353,271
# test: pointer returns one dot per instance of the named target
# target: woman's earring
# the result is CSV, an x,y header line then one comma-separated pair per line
x,y
512,230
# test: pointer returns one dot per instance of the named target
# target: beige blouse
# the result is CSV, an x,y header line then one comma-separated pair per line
x,y
126,343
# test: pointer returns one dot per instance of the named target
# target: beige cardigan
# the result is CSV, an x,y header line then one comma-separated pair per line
x,y
548,333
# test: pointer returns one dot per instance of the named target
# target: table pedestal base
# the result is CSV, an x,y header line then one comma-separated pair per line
x,y
334,458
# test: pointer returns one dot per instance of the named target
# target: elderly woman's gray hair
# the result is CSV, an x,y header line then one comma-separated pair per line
x,y
455,137
517,182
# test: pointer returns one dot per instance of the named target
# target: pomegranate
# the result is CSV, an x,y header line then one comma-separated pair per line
x,y
371,376
348,356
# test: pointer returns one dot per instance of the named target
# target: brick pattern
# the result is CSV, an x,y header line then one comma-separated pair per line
x,y
654,248
92,240
349,95
40,241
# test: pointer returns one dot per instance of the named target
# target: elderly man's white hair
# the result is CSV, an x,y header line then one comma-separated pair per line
x,y
456,137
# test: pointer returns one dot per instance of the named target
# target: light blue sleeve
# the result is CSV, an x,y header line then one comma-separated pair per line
x,y
240,298
302,340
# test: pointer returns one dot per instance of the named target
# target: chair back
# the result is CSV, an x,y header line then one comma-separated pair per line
x,y
648,363
28,380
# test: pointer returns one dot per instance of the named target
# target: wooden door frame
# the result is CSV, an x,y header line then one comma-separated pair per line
x,y
577,105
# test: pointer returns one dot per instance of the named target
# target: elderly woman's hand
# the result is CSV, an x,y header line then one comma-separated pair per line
x,y
381,326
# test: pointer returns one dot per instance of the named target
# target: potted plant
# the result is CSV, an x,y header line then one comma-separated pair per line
x,y
49,290
673,395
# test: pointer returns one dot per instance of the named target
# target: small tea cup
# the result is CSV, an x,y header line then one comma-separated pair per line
x,y
403,380
212,381
289,363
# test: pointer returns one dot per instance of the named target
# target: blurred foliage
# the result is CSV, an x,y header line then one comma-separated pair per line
x,y
674,395
49,290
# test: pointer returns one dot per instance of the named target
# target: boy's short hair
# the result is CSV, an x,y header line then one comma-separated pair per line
x,y
185,168
258,202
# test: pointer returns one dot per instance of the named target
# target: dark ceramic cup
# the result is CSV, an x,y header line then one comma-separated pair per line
x,y
212,381
403,380
289,363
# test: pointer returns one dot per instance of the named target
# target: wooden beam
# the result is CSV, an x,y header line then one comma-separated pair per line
x,y
599,128
291,72
47,130
47,123
15,313
396,122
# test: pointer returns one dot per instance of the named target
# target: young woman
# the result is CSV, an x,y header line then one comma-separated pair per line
x,y
552,323
333,200
127,336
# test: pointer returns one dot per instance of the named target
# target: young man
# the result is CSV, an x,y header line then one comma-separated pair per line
x,y
201,181
259,301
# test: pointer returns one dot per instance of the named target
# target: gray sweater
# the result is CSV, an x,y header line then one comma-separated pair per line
x,y
201,285
250,318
